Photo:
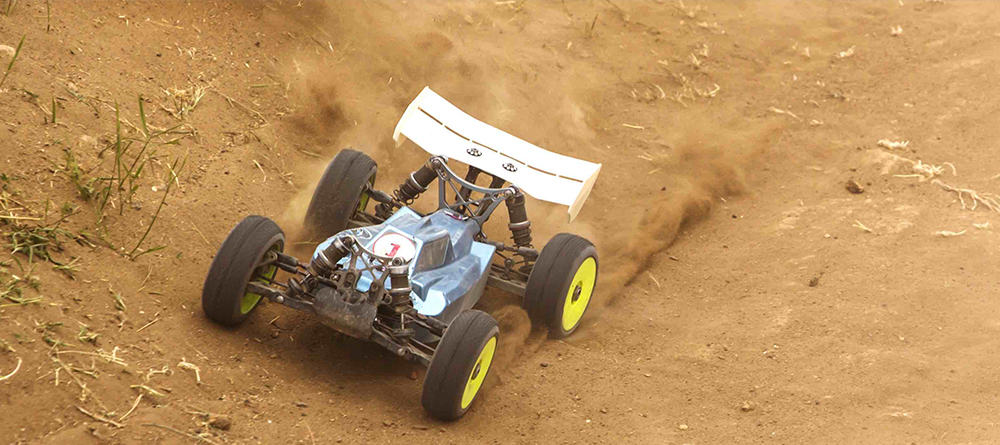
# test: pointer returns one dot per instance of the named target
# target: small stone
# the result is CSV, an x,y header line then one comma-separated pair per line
x,y
4,49
413,375
747,406
853,187
275,334
814,282
604,410
420,427
543,364
88,141
387,423
220,423
301,404
682,427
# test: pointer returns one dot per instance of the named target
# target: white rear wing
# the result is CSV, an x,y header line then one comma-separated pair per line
x,y
442,129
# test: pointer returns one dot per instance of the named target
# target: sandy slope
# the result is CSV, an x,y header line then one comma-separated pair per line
x,y
772,317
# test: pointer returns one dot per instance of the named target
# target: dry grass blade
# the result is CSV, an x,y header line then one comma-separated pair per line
x,y
893,145
238,104
130,410
147,325
101,419
184,364
184,101
84,390
949,233
988,200
785,112
183,433
16,368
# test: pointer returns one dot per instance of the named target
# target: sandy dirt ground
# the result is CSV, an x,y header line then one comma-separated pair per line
x,y
747,296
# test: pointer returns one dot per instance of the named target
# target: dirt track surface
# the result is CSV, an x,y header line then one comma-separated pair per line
x,y
746,295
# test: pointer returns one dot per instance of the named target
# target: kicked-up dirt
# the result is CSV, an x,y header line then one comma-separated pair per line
x,y
797,233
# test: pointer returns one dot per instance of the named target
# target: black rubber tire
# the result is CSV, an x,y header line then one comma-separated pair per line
x,y
338,195
235,265
551,278
453,363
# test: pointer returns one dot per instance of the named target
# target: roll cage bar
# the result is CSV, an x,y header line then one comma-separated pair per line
x,y
463,204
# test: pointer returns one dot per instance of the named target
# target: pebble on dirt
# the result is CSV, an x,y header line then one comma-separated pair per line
x,y
220,423
747,406
814,281
853,187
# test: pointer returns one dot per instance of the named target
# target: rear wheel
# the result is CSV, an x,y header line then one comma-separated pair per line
x,y
242,258
561,284
460,365
340,194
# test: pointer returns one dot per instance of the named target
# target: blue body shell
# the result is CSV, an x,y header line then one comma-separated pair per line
x,y
448,268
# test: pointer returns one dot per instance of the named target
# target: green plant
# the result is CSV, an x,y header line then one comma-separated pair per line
x,y
122,181
69,269
85,187
12,59
86,336
13,292
37,241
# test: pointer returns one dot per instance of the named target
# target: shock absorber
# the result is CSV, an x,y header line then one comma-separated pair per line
x,y
519,225
399,282
415,184
327,259
408,191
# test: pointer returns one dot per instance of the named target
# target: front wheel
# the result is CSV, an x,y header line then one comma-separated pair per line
x,y
460,365
340,194
561,284
246,255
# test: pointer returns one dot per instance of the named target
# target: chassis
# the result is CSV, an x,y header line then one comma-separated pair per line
x,y
385,313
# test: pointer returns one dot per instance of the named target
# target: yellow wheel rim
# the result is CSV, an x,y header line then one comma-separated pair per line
x,y
363,202
251,299
479,371
578,296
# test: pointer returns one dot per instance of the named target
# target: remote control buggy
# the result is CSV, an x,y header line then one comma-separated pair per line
x,y
408,280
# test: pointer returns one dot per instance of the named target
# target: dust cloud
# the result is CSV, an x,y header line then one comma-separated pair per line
x,y
351,87
704,166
